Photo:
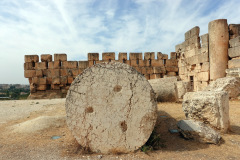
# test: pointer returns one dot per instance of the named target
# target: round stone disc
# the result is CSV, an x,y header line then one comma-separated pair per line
x,y
111,108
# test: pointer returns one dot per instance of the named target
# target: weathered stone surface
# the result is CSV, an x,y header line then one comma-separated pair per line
x,y
235,42
218,48
198,131
228,84
182,88
111,108
234,52
46,58
234,63
60,57
210,107
165,88
233,72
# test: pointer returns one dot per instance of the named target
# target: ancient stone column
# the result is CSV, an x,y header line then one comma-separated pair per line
x,y
111,108
218,48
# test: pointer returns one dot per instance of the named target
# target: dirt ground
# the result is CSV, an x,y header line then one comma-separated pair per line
x,y
28,127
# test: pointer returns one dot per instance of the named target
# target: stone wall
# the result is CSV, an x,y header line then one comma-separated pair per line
x,y
193,59
50,78
234,51
205,58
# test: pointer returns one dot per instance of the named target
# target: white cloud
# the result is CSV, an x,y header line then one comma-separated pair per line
x,y
78,27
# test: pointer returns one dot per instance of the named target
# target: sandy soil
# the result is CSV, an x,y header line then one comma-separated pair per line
x,y
27,128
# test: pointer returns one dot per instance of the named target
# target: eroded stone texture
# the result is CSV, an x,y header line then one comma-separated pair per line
x,y
210,107
228,84
165,88
182,88
111,108
198,131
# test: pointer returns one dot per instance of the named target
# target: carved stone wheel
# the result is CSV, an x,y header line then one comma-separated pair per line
x,y
111,108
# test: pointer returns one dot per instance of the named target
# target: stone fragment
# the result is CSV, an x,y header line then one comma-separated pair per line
x,y
228,84
210,107
111,108
165,88
198,131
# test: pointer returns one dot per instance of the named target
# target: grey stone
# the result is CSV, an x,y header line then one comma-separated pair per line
x,y
198,131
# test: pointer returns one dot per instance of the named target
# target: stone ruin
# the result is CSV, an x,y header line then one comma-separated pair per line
x,y
52,79
108,88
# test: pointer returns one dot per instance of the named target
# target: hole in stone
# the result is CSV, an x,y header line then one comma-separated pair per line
x,y
117,88
123,126
89,110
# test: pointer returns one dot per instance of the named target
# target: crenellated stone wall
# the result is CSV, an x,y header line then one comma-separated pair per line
x,y
50,78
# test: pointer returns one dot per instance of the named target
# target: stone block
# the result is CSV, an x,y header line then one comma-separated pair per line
x,y
157,63
55,87
41,65
29,66
235,42
171,73
204,48
139,69
108,56
205,39
173,55
91,63
41,87
29,73
234,52
60,57
182,70
53,72
203,76
147,70
155,76
192,32
69,64
39,73
56,80
122,56
165,56
54,65
159,55
171,62
49,80
157,70
234,63
69,79
210,107
203,57
75,72
227,84
205,67
142,63
234,30
83,64
165,89
93,56
149,55
135,56
171,69
63,80
136,63
31,58
46,58
198,131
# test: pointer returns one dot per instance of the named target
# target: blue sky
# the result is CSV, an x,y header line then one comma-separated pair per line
x,y
77,27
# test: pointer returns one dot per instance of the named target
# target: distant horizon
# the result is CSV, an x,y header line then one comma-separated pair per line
x,y
78,27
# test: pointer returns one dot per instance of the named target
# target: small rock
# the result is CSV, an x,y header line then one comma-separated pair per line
x,y
198,131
